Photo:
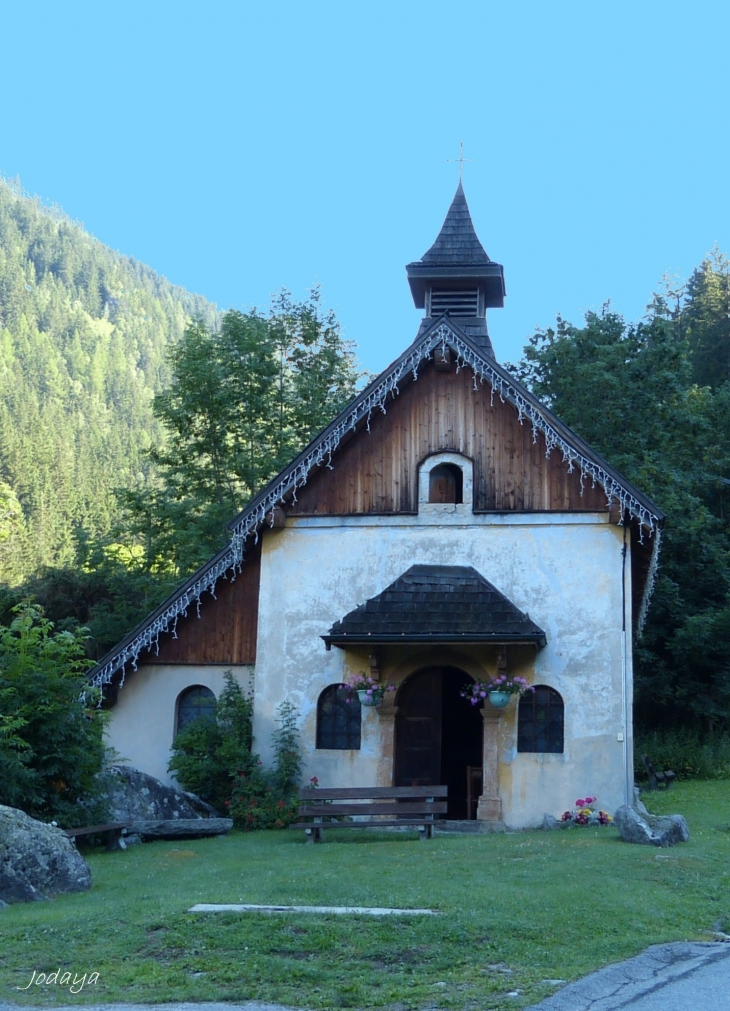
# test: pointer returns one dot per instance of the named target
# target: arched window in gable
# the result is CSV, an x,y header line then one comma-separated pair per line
x,y
446,478
540,721
446,484
338,719
194,703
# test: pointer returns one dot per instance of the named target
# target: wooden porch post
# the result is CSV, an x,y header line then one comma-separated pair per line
x,y
387,712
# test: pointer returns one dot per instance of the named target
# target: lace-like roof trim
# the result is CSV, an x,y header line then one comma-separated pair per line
x,y
321,451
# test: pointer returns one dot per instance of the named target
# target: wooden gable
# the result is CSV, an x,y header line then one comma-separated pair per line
x,y
227,629
441,411
376,472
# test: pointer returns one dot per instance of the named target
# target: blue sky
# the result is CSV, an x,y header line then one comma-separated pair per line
x,y
239,147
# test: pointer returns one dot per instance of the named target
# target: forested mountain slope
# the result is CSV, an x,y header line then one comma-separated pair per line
x,y
83,335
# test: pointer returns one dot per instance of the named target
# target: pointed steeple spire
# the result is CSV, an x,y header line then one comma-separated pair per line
x,y
457,242
456,277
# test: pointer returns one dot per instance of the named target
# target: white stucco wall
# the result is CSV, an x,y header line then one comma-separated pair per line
x,y
564,569
142,723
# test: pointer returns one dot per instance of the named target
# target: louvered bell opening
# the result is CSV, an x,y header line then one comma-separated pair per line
x,y
455,303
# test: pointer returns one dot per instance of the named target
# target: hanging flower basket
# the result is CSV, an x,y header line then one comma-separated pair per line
x,y
498,690
369,691
499,699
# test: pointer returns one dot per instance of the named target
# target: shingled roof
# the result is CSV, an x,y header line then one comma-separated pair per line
x,y
436,603
457,242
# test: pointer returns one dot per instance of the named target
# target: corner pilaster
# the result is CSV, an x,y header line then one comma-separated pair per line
x,y
489,808
387,713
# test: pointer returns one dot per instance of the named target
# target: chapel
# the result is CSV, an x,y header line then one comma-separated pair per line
x,y
446,528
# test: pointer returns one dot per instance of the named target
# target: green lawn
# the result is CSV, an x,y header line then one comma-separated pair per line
x,y
515,910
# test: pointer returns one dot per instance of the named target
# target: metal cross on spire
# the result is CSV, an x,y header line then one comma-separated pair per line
x,y
461,159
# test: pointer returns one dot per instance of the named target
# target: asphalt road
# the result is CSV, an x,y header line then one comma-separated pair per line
x,y
671,977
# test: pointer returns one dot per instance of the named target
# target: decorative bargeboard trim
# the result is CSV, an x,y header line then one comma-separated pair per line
x,y
321,451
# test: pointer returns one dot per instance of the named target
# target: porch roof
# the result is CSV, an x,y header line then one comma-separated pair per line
x,y
436,604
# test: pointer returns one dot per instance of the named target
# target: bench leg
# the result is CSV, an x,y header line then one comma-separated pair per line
x,y
314,834
114,840
425,832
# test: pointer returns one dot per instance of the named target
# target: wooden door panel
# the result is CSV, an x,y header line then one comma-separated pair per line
x,y
418,731
438,735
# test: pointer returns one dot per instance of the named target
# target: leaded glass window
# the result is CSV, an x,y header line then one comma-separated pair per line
x,y
195,703
338,719
540,721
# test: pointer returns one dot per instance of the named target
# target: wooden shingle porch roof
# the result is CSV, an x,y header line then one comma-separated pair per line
x,y
436,604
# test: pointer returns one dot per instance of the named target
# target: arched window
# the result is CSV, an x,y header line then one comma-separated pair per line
x,y
446,484
338,719
195,703
540,721
446,479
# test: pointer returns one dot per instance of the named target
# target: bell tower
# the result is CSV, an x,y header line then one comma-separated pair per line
x,y
456,278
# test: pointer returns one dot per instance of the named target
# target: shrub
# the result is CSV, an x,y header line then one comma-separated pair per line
x,y
268,798
287,749
213,758
256,802
689,754
51,731
208,755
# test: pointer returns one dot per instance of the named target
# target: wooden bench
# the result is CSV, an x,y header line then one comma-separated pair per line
x,y
657,779
370,807
112,831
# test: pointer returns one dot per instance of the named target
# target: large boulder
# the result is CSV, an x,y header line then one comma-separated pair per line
x,y
37,860
649,829
131,795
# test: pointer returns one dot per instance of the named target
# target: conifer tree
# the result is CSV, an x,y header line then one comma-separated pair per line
x,y
705,317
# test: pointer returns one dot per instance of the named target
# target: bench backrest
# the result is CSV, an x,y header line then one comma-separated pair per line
x,y
403,810
317,793
394,801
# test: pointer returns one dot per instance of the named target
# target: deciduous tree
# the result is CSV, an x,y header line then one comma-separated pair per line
x,y
245,397
51,746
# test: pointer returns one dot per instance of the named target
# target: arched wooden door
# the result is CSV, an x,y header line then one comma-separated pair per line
x,y
438,734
